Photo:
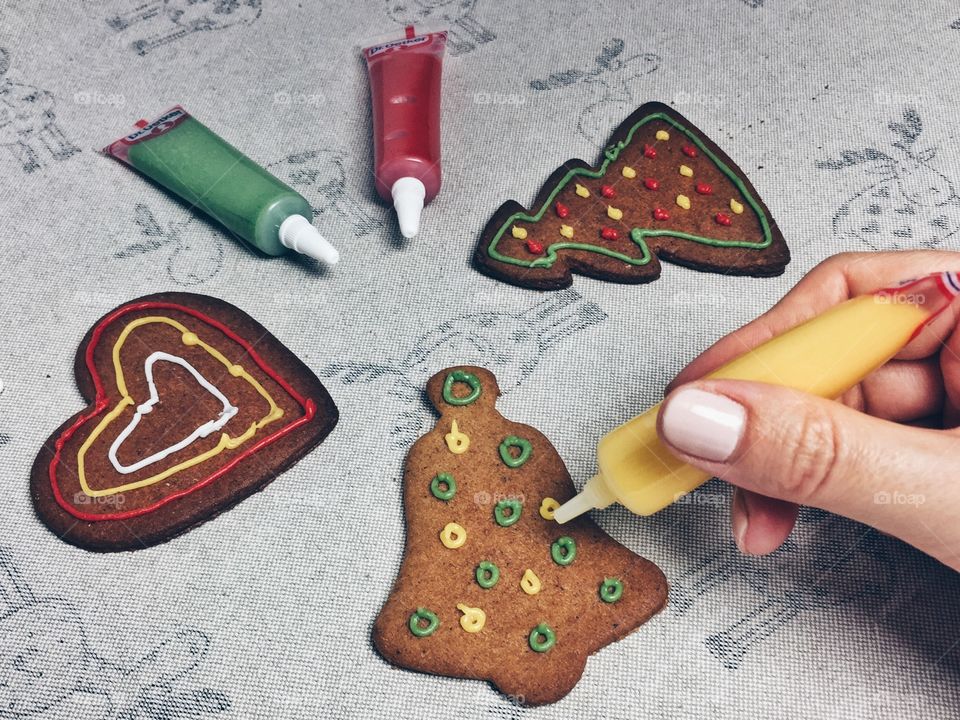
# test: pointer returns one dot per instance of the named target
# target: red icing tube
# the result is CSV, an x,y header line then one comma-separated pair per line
x,y
405,97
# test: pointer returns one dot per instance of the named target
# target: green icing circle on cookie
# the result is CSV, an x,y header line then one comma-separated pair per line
x,y
611,590
512,441
500,514
563,550
443,487
420,630
465,377
542,638
488,574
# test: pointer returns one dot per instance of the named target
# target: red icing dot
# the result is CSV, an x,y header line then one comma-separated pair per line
x,y
652,184
649,151
608,233
561,209
535,247
723,219
607,191
660,214
704,188
689,151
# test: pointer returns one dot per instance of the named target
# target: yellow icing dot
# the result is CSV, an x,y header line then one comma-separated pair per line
x,y
736,207
473,618
683,201
663,135
614,213
628,172
453,536
548,506
582,191
236,370
686,171
457,442
519,233
189,338
566,231
530,583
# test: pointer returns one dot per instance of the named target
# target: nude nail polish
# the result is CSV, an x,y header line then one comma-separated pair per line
x,y
703,424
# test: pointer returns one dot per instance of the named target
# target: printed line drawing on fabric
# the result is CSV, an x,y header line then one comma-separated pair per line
x,y
29,132
511,345
320,175
614,79
817,569
48,669
464,32
754,3
912,205
160,22
191,260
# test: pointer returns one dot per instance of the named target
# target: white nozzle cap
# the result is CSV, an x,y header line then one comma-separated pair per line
x,y
408,195
595,495
299,235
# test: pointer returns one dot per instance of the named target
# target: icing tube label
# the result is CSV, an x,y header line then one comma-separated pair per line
x,y
405,42
163,124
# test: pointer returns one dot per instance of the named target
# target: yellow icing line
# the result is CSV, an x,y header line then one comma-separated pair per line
x,y
226,442
530,583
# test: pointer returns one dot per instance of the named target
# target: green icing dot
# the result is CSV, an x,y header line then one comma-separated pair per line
x,y
443,486
465,377
416,623
563,550
500,514
487,574
513,441
542,638
611,589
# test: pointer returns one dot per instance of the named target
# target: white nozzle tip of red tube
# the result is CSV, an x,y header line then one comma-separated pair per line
x,y
408,195
594,496
298,234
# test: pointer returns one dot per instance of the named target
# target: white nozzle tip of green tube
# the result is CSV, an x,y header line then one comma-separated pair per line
x,y
298,234
594,496
408,195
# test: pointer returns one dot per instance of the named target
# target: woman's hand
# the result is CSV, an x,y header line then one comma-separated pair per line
x,y
887,455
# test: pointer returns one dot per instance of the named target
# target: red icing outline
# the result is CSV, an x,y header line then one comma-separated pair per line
x,y
102,402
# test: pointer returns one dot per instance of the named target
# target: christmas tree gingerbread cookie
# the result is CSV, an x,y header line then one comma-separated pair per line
x,y
662,191
193,406
491,587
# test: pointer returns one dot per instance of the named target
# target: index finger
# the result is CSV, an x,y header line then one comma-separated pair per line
x,y
834,280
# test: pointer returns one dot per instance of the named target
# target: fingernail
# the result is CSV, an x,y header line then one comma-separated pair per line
x,y
739,518
703,424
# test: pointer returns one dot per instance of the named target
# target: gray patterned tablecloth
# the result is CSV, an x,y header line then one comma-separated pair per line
x,y
844,116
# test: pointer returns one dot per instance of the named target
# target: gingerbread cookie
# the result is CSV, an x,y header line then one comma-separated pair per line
x,y
193,407
663,190
491,587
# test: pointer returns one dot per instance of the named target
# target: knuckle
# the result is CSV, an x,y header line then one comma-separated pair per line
x,y
814,451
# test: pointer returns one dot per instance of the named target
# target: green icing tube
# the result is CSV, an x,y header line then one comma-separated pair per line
x,y
186,157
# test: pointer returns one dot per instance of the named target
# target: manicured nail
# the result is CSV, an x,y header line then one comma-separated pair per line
x,y
703,424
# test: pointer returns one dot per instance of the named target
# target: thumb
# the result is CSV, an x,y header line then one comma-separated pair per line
x,y
803,449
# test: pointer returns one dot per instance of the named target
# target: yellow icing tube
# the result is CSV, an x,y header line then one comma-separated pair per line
x,y
824,356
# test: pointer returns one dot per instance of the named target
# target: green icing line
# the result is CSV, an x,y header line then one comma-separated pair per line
x,y
637,235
